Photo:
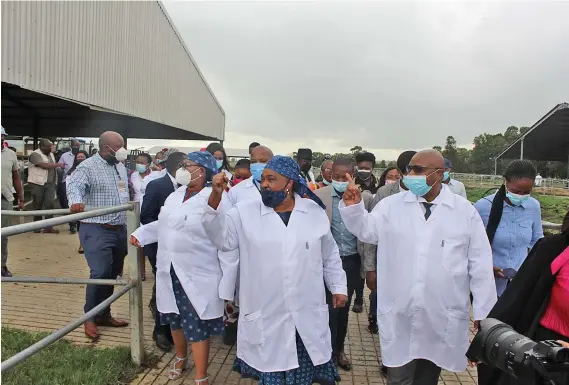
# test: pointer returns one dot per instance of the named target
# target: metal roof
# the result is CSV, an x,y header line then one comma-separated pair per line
x,y
231,152
97,65
547,139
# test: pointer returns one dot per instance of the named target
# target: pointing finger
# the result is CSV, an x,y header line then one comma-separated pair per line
x,y
350,179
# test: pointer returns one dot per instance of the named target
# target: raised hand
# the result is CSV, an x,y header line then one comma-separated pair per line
x,y
352,195
219,183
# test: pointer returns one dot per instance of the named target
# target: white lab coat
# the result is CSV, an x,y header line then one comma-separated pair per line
x,y
185,246
282,269
426,270
139,184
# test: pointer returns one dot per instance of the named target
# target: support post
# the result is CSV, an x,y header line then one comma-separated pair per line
x,y
495,166
135,295
36,132
522,148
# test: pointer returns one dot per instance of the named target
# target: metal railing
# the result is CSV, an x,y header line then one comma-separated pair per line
x,y
132,286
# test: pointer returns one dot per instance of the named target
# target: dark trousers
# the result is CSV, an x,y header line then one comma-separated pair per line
x,y
373,303
150,251
105,250
359,289
43,197
62,198
338,318
416,372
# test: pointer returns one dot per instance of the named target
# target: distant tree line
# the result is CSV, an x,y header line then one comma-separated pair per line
x,y
478,160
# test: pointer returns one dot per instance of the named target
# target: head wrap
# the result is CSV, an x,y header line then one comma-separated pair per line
x,y
204,159
448,163
287,167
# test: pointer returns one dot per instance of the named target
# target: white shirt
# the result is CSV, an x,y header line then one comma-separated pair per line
x,y
68,158
425,276
185,246
282,269
246,190
139,183
457,187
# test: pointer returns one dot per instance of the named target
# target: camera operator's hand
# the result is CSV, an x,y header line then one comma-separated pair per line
x,y
476,326
565,344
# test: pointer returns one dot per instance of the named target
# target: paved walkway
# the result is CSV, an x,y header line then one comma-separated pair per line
x,y
46,307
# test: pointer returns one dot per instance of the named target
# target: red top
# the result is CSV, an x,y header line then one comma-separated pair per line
x,y
556,316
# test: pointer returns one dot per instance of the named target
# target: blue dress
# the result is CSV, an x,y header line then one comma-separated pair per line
x,y
195,329
305,374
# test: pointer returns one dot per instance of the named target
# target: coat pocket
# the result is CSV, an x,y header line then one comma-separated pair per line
x,y
386,324
454,257
457,328
251,328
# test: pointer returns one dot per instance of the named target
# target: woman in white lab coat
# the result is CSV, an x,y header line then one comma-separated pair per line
x,y
190,277
286,251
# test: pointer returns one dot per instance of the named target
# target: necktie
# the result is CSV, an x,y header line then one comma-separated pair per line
x,y
427,209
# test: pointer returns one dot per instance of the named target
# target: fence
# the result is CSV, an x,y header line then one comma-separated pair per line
x,y
132,286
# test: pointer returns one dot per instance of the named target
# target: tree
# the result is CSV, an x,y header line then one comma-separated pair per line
x,y
438,148
450,150
486,148
356,150
512,134
382,164
523,130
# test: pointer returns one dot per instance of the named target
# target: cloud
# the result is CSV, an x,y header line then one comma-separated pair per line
x,y
383,75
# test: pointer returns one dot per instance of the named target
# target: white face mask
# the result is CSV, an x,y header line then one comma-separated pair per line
x,y
121,154
183,176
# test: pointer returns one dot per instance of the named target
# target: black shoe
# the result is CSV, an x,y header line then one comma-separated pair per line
x,y
162,341
372,327
358,308
230,335
384,370
153,309
6,272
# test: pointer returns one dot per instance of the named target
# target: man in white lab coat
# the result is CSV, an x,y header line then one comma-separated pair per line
x,y
436,252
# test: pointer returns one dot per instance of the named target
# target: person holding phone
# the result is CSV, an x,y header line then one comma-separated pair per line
x,y
513,221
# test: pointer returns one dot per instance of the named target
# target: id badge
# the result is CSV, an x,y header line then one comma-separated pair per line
x,y
123,190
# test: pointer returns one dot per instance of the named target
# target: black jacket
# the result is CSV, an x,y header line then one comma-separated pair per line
x,y
154,197
525,299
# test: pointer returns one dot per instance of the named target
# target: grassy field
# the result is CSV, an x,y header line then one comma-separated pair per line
x,y
553,208
65,364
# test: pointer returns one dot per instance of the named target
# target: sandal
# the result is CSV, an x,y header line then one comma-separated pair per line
x,y
176,373
206,379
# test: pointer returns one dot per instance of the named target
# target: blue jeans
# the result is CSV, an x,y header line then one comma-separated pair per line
x,y
105,250
373,303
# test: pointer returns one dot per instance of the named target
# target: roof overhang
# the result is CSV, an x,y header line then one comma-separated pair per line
x,y
546,140
26,112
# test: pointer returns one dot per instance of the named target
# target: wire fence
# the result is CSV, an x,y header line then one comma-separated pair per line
x,y
132,286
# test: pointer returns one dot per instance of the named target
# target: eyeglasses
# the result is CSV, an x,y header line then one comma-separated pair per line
x,y
418,169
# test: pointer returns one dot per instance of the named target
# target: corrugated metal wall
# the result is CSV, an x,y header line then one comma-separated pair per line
x,y
120,55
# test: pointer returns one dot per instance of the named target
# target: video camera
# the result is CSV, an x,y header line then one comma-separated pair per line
x,y
499,346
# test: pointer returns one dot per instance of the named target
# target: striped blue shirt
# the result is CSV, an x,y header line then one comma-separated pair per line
x,y
346,241
96,183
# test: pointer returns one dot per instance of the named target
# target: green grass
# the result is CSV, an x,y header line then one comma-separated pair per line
x,y
553,208
62,363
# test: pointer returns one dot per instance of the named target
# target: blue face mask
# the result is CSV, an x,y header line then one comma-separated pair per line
x,y
219,163
517,199
141,168
446,175
325,182
273,198
257,170
417,184
339,186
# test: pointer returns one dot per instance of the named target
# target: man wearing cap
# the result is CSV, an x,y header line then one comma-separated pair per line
x,y
455,186
10,181
304,160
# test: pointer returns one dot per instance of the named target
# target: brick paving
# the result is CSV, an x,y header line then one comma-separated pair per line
x,y
47,307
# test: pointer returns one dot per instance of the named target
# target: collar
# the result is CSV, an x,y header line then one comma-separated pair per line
x,y
445,197
249,182
299,205
172,179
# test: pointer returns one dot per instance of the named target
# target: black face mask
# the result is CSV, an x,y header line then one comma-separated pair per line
x,y
74,150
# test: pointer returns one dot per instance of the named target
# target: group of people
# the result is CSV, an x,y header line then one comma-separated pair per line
x,y
291,252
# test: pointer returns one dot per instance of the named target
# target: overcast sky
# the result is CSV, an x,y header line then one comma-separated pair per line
x,y
384,75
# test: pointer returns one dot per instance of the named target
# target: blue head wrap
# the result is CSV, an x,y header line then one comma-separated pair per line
x,y
287,167
206,160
